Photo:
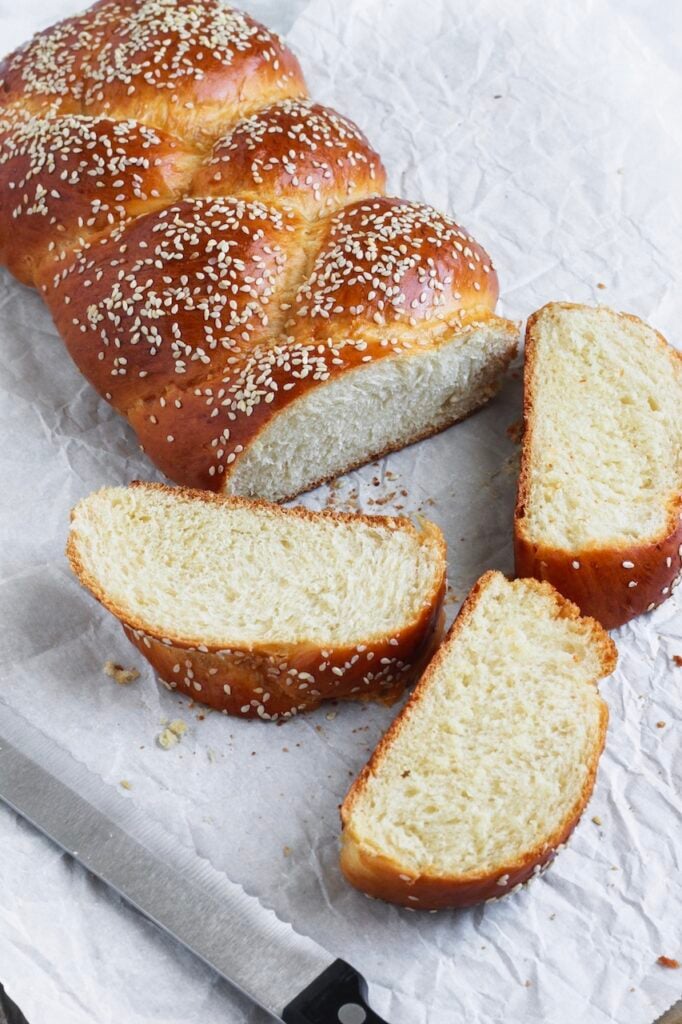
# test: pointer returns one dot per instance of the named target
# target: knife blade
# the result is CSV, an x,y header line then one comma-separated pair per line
x,y
287,974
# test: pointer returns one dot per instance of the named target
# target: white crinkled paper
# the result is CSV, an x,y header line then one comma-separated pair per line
x,y
552,131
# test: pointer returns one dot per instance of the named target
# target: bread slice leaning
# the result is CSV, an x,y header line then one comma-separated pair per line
x,y
599,506
259,610
488,768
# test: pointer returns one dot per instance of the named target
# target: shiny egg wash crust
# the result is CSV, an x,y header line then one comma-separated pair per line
x,y
288,685
211,243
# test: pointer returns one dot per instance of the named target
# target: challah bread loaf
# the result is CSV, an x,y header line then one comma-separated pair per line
x,y
487,770
218,254
258,610
599,507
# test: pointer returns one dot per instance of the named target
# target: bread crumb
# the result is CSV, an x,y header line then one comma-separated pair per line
x,y
667,961
166,739
596,819
600,284
385,499
126,784
286,850
677,658
330,716
169,736
660,725
119,674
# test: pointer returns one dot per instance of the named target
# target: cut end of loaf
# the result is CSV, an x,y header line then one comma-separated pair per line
x,y
600,490
374,409
488,768
256,609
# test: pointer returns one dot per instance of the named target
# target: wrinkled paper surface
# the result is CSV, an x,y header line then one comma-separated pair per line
x,y
553,133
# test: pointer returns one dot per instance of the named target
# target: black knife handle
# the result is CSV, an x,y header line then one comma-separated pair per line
x,y
337,996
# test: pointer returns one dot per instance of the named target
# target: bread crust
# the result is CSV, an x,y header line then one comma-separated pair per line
x,y
277,681
187,68
384,878
333,161
613,584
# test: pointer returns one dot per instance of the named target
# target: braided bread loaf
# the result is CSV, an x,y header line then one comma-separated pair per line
x,y
220,259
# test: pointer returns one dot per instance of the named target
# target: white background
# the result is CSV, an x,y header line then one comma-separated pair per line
x,y
553,133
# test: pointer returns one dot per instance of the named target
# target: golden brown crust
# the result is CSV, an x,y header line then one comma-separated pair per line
x,y
69,179
277,684
611,583
184,67
296,676
201,318
391,263
296,153
159,305
383,878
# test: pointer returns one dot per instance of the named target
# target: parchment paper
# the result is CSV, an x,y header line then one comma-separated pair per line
x,y
553,133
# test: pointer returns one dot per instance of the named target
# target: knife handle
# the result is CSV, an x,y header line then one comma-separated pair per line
x,y
337,996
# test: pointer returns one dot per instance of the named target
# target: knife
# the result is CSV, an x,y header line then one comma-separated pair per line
x,y
287,974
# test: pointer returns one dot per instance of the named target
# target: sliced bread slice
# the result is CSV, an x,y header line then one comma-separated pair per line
x,y
599,508
259,610
488,768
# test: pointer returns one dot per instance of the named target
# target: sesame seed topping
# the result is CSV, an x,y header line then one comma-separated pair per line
x,y
310,156
152,46
207,309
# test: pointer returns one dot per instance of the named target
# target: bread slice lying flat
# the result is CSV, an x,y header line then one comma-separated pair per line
x,y
258,610
599,508
487,770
